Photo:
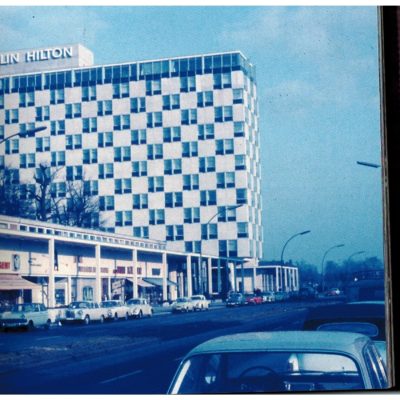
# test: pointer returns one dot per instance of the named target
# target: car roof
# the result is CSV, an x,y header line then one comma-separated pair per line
x,y
284,341
356,310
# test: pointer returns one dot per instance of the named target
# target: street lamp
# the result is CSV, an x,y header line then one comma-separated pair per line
x,y
283,250
348,262
225,209
34,130
322,264
368,164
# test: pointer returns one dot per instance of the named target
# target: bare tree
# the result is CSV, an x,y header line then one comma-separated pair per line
x,y
82,206
46,203
13,200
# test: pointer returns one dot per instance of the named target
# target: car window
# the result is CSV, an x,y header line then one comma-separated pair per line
x,y
375,366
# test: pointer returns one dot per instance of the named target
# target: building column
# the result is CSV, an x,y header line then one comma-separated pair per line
x,y
209,275
219,276
51,287
165,276
173,289
254,278
109,288
285,275
189,275
135,277
97,294
68,294
277,279
242,273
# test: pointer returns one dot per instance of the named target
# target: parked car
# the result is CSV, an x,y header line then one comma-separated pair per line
x,y
200,302
290,361
182,304
268,297
367,318
139,308
253,299
307,293
85,311
333,292
281,296
115,309
27,315
235,299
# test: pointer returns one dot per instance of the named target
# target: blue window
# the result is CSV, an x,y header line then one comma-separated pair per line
x,y
139,168
138,136
209,231
191,182
138,105
208,197
206,132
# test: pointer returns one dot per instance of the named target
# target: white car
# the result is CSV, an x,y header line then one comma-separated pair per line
x,y
28,315
115,309
200,303
271,362
182,304
139,308
85,311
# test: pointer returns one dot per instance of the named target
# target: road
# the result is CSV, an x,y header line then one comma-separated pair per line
x,y
125,357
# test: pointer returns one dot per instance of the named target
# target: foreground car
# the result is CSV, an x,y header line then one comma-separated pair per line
x,y
139,308
367,318
281,362
182,304
28,315
85,311
200,303
115,309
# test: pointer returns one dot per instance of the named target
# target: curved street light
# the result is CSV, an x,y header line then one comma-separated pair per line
x,y
283,250
322,264
225,209
35,130
368,164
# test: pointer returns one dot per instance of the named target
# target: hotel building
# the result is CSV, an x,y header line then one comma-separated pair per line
x,y
170,147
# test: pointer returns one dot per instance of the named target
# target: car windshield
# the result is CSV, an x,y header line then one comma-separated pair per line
x,y
196,297
133,301
181,300
266,372
109,303
78,304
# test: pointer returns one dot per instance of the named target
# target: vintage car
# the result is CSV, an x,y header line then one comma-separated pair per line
x,y
289,361
84,311
200,302
139,308
268,297
367,318
253,299
235,299
27,315
115,309
182,304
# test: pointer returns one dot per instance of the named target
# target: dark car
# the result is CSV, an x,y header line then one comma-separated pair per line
x,y
235,299
365,317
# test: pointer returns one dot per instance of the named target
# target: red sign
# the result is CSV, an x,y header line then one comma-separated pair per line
x,y
4,265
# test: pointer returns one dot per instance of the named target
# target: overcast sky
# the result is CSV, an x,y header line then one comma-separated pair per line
x,y
318,91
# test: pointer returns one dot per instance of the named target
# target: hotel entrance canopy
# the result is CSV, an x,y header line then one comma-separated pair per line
x,y
15,282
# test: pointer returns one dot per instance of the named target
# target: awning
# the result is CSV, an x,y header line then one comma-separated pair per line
x,y
15,282
141,282
159,281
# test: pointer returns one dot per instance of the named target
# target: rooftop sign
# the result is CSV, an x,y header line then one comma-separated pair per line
x,y
44,59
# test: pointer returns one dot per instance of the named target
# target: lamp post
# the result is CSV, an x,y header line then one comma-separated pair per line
x,y
368,164
349,259
322,264
228,208
283,250
35,130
